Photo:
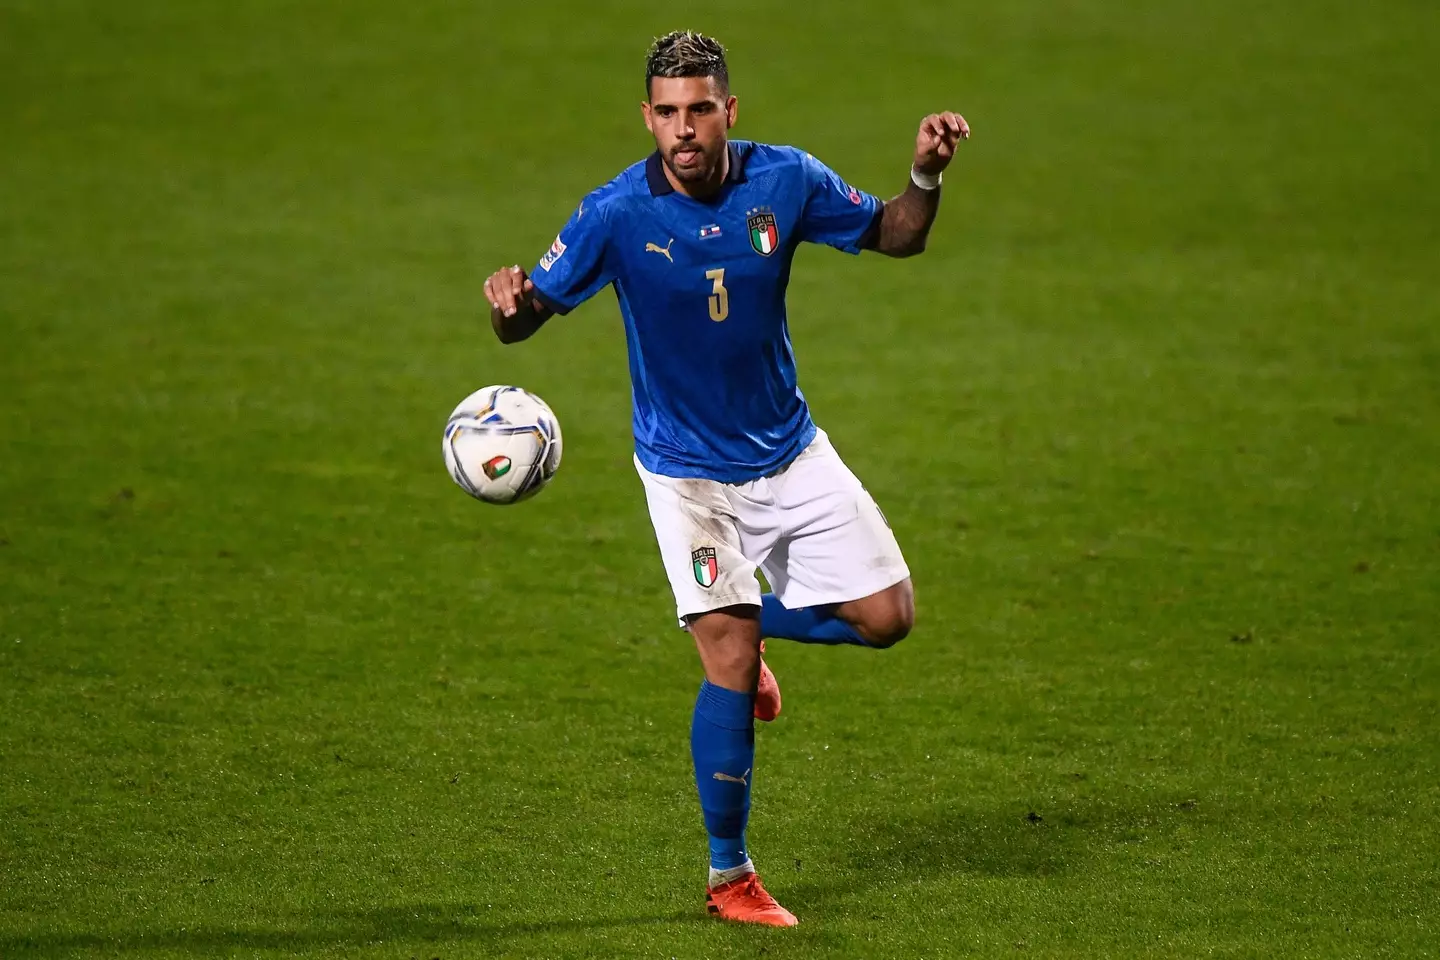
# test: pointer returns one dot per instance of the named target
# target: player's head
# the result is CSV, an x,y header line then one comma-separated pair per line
x,y
688,107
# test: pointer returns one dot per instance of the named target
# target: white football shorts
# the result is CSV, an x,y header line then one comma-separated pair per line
x,y
811,527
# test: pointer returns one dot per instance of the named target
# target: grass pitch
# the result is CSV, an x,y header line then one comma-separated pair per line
x,y
1157,421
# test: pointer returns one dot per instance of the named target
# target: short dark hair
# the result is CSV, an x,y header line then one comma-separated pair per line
x,y
685,53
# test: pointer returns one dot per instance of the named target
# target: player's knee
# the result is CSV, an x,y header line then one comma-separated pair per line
x,y
888,629
888,621
729,646
733,657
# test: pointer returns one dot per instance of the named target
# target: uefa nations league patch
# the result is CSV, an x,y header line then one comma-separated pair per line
x,y
556,251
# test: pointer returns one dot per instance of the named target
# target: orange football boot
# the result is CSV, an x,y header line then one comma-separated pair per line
x,y
745,901
767,692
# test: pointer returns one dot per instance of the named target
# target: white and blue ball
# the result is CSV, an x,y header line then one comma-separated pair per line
x,y
502,444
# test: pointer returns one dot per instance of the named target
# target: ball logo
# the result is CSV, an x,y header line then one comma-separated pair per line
x,y
496,467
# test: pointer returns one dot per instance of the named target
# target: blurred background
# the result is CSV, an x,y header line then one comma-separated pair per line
x,y
1156,419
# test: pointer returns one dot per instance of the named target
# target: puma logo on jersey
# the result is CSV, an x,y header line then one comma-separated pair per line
x,y
743,779
663,251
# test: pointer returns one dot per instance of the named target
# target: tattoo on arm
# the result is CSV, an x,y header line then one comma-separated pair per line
x,y
906,222
531,315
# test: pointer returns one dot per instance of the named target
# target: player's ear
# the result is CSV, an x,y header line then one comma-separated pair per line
x,y
645,112
731,111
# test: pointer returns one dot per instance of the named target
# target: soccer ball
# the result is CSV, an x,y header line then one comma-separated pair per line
x,y
502,444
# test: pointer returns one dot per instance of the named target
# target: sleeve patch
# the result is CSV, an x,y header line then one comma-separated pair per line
x,y
556,251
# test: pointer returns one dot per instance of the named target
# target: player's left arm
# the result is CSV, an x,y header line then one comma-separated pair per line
x,y
906,221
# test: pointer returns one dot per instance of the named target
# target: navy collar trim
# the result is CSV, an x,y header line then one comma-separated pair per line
x,y
660,184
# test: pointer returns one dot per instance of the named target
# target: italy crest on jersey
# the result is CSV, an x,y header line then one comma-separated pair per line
x,y
764,235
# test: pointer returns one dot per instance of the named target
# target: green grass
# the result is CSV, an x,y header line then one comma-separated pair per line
x,y
1157,420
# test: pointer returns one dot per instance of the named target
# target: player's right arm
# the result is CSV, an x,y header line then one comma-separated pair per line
x,y
515,314
575,268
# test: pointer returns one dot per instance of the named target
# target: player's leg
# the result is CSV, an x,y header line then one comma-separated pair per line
x,y
717,598
722,744
722,733
818,624
884,618
839,577
880,620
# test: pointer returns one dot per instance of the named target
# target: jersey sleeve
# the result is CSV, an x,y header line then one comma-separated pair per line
x,y
577,265
836,214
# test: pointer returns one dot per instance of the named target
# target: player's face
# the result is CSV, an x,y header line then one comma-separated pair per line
x,y
688,117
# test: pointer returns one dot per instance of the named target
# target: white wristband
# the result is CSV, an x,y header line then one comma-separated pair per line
x,y
925,181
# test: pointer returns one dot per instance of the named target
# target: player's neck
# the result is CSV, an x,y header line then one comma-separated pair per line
x,y
708,187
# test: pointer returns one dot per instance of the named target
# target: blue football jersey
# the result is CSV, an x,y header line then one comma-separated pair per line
x,y
701,286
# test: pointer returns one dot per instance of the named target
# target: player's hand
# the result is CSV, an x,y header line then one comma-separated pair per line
x,y
508,290
940,134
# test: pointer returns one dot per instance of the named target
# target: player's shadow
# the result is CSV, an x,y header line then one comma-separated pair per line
x,y
405,924
1009,842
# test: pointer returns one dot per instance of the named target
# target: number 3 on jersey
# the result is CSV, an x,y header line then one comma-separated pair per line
x,y
719,296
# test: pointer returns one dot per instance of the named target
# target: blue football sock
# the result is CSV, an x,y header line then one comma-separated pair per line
x,y
807,624
722,743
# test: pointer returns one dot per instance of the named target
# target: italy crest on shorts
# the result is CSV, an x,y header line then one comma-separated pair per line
x,y
764,234
706,569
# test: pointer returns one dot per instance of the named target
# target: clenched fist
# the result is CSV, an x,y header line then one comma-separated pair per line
x,y
935,144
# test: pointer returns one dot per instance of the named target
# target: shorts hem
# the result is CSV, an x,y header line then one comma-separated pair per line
x,y
718,602
797,599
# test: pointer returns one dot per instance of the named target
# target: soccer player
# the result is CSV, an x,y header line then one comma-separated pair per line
x,y
697,240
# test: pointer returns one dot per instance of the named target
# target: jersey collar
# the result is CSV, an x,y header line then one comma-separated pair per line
x,y
660,184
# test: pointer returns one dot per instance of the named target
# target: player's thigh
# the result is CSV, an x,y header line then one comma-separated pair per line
x,y
700,544
837,545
